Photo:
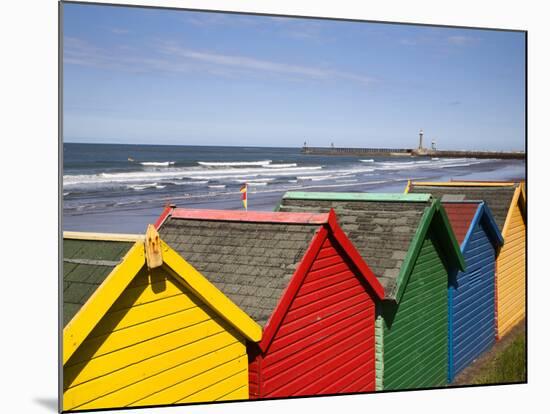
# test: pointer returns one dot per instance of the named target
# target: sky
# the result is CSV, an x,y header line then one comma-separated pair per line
x,y
154,76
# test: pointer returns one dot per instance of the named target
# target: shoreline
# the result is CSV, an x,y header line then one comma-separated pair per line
x,y
136,219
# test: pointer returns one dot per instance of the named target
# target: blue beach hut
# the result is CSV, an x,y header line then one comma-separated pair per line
x,y
472,328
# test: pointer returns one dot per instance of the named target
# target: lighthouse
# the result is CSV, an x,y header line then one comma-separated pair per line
x,y
420,135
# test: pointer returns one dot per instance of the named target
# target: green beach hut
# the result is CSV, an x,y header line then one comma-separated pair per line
x,y
411,248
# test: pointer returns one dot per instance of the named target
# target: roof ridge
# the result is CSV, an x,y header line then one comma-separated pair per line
x,y
463,183
483,212
461,202
94,262
92,236
250,216
388,197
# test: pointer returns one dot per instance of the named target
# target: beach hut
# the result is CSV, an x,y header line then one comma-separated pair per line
x,y
301,279
507,202
409,244
472,295
143,327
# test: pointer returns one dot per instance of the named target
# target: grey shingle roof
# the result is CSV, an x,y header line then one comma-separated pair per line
x,y
251,263
381,231
497,198
86,264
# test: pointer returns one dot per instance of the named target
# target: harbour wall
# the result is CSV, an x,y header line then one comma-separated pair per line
x,y
409,152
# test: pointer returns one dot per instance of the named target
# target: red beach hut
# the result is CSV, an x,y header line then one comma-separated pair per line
x,y
302,280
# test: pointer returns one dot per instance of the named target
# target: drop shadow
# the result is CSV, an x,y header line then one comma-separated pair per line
x,y
48,403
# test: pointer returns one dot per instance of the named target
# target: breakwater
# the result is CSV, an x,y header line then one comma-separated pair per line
x,y
404,152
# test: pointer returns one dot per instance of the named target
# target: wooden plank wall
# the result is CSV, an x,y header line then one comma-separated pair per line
x,y
410,361
472,303
379,348
325,343
254,380
158,344
511,275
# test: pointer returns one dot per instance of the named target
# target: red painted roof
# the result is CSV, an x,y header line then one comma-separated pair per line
x,y
461,216
187,237
250,216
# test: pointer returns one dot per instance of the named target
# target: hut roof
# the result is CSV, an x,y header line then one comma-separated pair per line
x,y
86,264
105,266
250,256
498,196
460,216
464,215
385,228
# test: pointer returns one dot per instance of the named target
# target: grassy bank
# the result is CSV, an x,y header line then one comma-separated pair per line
x,y
504,363
506,366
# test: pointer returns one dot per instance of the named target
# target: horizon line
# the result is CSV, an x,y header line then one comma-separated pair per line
x,y
267,146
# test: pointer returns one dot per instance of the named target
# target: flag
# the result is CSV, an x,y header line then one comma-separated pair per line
x,y
243,192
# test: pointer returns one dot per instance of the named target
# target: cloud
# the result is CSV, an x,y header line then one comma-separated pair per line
x,y
438,38
460,40
259,65
82,53
296,28
171,57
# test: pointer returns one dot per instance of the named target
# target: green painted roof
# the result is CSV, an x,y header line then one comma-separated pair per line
x,y
418,198
86,264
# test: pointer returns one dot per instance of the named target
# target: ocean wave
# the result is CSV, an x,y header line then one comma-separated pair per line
x,y
351,171
144,178
280,165
139,187
192,182
279,189
430,164
217,186
317,177
233,163
371,160
266,180
157,164
255,183
467,164
190,172
346,180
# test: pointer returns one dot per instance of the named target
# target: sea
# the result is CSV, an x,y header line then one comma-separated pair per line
x,y
122,188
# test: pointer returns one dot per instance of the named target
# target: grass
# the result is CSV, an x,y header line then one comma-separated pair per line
x,y
506,367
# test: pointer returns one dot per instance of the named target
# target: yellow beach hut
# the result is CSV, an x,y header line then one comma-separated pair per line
x,y
143,327
507,201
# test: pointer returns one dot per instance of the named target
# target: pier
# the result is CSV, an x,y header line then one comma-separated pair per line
x,y
411,152
386,152
406,152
